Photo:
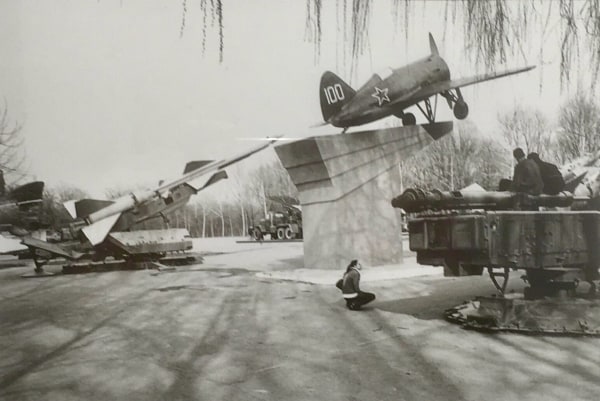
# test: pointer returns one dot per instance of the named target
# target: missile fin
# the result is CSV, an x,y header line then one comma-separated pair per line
x,y
195,165
205,180
97,232
70,207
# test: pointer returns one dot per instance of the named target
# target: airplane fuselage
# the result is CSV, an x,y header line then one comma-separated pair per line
x,y
384,94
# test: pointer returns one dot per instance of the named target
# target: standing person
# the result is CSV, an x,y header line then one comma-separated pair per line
x,y
551,176
526,177
349,284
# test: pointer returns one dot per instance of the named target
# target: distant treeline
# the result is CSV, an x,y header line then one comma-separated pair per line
x,y
464,157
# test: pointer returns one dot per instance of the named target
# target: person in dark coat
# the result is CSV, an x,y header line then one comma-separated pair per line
x,y
551,176
526,177
349,284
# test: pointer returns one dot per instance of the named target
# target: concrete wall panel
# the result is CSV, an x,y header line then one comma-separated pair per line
x,y
345,184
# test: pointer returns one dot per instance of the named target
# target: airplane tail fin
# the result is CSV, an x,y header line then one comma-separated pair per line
x,y
334,93
433,46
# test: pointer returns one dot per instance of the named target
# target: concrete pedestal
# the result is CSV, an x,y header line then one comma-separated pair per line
x,y
345,184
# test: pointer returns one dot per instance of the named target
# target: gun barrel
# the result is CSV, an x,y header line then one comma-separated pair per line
x,y
417,200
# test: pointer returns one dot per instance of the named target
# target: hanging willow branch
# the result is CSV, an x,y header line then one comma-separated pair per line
x,y
184,7
493,29
569,36
312,25
214,8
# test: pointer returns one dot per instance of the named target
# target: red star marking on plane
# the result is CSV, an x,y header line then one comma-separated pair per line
x,y
381,95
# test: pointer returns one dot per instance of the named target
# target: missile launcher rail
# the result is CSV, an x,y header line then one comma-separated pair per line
x,y
131,250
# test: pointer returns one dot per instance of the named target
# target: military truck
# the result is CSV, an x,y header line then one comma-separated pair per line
x,y
283,221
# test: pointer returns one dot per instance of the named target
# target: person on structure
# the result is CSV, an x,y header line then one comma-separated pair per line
x,y
551,176
526,176
349,284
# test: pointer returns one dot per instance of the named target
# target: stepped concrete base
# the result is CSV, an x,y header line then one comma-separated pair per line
x,y
345,184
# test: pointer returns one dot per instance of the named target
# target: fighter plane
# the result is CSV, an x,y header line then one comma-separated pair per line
x,y
99,220
393,91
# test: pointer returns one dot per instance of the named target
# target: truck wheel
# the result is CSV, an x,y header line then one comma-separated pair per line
x,y
280,233
289,234
257,234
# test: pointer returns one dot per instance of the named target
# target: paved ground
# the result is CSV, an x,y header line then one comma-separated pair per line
x,y
242,327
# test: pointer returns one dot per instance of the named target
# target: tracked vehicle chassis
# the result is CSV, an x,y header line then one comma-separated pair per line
x,y
89,266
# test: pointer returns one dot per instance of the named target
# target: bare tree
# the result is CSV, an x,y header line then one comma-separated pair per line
x,y
53,212
239,181
203,219
456,161
12,156
578,128
528,129
270,179
65,193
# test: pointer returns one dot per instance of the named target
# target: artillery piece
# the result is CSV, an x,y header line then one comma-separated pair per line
x,y
554,239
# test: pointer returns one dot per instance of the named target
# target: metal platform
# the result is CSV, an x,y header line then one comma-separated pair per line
x,y
559,316
89,266
120,264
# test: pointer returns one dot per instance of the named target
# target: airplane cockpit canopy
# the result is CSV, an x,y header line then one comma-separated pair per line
x,y
385,73
377,78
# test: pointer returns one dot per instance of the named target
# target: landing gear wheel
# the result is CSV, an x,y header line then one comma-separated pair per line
x,y
280,233
289,234
408,119
461,110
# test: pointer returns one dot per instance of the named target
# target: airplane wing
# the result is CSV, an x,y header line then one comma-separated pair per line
x,y
406,96
462,82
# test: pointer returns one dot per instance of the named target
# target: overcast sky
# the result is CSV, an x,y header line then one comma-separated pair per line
x,y
110,95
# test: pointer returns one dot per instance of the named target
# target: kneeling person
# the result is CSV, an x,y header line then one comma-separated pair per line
x,y
349,284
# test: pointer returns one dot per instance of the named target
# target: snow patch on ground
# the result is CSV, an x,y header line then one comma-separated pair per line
x,y
289,264
369,274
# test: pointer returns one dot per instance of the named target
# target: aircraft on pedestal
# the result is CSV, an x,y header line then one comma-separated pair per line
x,y
396,90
